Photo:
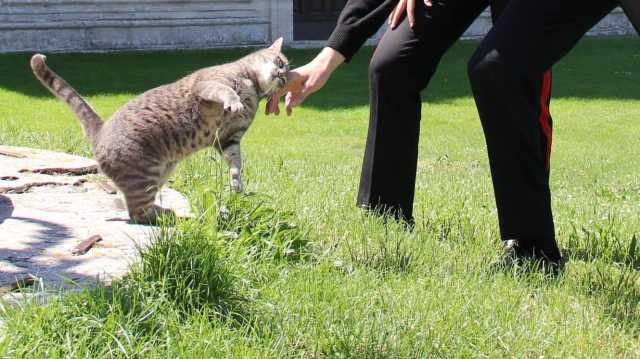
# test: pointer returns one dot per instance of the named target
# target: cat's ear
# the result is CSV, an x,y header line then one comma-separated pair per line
x,y
277,45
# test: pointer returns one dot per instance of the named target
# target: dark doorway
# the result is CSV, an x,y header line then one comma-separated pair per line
x,y
315,19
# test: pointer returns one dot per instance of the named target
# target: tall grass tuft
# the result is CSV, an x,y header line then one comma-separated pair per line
x,y
389,250
605,241
267,233
188,267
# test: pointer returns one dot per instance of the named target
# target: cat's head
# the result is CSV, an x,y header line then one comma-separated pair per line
x,y
271,67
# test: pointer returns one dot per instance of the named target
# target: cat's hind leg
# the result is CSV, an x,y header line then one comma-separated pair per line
x,y
140,197
231,153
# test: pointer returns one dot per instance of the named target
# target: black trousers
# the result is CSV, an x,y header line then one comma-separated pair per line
x,y
529,37
401,67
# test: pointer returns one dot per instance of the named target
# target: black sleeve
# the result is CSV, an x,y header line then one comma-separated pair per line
x,y
359,20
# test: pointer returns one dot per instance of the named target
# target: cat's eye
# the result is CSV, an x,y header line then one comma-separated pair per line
x,y
279,62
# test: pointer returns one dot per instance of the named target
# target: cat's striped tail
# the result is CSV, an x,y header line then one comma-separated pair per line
x,y
91,122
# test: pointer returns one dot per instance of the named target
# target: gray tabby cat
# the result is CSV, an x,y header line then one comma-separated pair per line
x,y
141,144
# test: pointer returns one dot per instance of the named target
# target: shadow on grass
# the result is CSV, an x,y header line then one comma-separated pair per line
x,y
612,275
597,68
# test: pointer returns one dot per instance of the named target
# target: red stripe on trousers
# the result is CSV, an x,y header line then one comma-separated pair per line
x,y
545,116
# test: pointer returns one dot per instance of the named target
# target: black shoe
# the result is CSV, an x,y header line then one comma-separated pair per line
x,y
553,267
513,255
517,256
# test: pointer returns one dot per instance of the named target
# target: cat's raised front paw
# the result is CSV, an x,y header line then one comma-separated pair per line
x,y
234,106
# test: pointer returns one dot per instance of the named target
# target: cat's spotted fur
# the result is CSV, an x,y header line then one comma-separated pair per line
x,y
141,144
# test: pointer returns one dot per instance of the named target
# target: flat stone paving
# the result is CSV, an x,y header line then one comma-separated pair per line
x,y
40,227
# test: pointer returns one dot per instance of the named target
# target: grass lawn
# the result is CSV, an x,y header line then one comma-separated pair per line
x,y
296,270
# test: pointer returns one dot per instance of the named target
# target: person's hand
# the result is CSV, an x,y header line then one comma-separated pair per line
x,y
305,80
295,83
297,89
408,7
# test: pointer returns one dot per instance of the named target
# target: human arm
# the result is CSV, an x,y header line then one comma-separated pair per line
x,y
306,80
358,21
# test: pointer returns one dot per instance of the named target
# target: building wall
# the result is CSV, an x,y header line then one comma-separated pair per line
x,y
107,25
104,25
615,23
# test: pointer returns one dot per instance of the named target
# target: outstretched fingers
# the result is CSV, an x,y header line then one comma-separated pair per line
x,y
407,7
294,99
294,93
397,14
411,12
273,104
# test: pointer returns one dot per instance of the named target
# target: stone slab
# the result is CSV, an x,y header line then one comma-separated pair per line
x,y
40,227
